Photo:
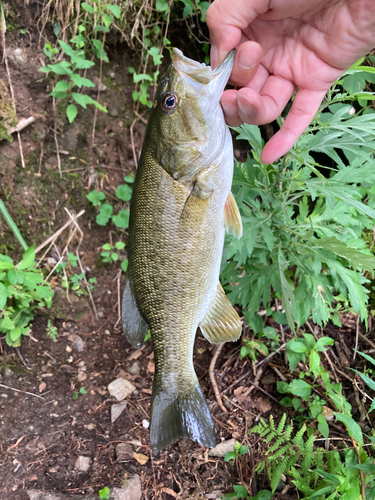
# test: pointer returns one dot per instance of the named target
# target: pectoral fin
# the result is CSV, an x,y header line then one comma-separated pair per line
x,y
133,324
232,217
221,323
198,200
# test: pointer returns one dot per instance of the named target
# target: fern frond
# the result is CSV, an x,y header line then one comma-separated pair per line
x,y
280,452
281,425
298,438
270,436
260,467
272,423
277,444
288,432
276,476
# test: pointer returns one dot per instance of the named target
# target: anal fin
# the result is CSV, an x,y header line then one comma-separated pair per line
x,y
134,326
232,217
221,322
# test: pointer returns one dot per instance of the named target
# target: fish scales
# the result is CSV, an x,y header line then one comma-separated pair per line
x,y
176,238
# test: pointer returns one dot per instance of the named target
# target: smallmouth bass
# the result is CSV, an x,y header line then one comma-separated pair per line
x,y
181,206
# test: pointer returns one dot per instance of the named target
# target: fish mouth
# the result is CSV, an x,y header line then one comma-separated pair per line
x,y
201,80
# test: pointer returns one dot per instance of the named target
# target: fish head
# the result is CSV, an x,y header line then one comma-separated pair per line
x,y
187,119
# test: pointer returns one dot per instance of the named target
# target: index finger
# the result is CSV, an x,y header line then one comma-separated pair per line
x,y
226,19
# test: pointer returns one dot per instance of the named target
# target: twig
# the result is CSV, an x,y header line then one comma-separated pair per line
x,y
270,355
22,360
55,235
23,123
356,337
18,390
213,379
363,337
360,470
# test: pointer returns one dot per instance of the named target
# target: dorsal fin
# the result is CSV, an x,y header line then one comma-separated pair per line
x,y
221,322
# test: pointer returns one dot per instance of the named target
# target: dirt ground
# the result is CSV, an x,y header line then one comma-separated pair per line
x,y
45,422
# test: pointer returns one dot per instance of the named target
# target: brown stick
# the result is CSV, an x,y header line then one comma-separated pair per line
x,y
213,379
18,390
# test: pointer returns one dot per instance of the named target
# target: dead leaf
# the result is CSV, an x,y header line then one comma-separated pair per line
x,y
136,354
140,458
241,394
151,356
34,478
147,391
263,405
42,386
151,367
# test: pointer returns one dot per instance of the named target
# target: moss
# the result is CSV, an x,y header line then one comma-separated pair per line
x,y
8,117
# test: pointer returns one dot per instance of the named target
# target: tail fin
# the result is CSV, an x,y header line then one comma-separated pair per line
x,y
181,416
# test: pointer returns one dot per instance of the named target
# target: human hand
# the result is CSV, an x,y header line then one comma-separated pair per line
x,y
281,45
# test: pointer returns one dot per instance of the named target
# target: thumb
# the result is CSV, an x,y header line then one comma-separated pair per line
x,y
226,19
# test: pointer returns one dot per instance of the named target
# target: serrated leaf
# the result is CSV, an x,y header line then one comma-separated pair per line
x,y
78,80
81,62
354,256
61,86
67,48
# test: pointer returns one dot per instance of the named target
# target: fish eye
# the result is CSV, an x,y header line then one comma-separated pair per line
x,y
169,102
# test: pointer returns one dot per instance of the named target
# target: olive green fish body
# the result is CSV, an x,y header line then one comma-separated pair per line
x,y
176,240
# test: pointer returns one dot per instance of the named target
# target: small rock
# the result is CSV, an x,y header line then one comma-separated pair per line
x,y
223,448
131,490
124,452
112,74
51,261
77,342
145,424
112,111
82,463
268,380
81,376
120,388
80,364
134,369
116,410
214,494
68,348
7,373
90,427
227,404
17,57
98,84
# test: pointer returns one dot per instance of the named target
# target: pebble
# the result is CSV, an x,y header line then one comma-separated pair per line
x,y
120,388
7,373
112,111
51,261
81,376
112,74
77,342
68,348
268,380
222,448
116,410
214,494
124,452
99,84
145,424
82,463
131,490
90,427
134,369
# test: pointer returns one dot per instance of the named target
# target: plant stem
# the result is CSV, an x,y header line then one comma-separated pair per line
x,y
13,226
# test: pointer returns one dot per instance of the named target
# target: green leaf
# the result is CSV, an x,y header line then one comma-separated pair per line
x,y
28,259
161,6
99,50
287,293
354,429
230,456
61,86
78,80
297,347
120,245
83,390
129,178
61,68
114,256
105,213
6,265
323,341
240,491
90,100
124,265
107,20
115,9
104,493
87,7
323,426
314,365
71,112
6,324
81,62
69,51
96,197
3,296
122,219
355,257
300,388
107,246
124,192
80,99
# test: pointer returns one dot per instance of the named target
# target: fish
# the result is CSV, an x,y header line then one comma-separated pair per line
x,y
180,209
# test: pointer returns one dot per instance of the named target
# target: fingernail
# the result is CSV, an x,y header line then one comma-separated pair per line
x,y
217,57
247,60
245,105
229,107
